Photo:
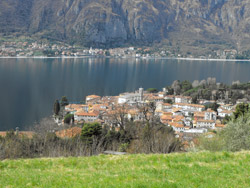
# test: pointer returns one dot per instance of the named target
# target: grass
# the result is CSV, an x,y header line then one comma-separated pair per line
x,y
202,169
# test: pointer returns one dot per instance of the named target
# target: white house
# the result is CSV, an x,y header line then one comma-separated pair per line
x,y
177,127
183,99
92,97
131,97
205,123
85,116
189,107
210,115
224,113
166,107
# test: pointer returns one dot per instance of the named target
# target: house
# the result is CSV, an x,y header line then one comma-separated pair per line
x,y
91,98
219,126
189,107
165,119
183,99
205,123
131,97
178,119
86,116
228,107
161,94
177,127
224,113
170,97
210,114
166,107
72,108
177,111
199,115
196,131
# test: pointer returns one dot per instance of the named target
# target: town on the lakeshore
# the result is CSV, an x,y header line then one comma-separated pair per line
x,y
176,111
46,49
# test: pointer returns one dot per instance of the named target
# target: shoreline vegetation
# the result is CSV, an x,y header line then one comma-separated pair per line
x,y
129,57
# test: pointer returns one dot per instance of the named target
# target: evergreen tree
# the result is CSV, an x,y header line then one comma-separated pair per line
x,y
56,107
64,101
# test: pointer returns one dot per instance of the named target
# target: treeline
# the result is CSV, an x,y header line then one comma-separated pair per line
x,y
210,90
135,137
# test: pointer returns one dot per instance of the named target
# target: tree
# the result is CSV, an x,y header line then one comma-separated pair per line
x,y
107,53
49,53
118,116
89,131
237,133
148,111
213,106
168,101
152,90
69,118
240,110
226,119
176,86
56,107
186,85
64,101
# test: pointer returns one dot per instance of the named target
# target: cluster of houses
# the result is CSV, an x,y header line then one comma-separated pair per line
x,y
178,113
23,49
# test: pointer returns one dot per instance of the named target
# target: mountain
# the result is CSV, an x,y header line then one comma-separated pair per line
x,y
185,24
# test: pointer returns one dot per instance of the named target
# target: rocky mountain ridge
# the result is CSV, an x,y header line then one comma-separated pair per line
x,y
186,25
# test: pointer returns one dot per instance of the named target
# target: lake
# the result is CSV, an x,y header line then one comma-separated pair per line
x,y
30,86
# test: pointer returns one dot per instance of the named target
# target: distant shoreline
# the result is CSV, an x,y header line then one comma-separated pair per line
x,y
83,57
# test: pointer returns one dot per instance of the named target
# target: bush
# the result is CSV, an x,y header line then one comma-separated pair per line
x,y
234,137
124,147
89,131
237,134
68,118
214,143
152,90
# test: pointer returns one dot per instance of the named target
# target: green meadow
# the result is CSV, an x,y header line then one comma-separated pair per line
x,y
202,169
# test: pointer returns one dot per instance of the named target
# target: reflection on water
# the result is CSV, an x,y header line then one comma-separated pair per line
x,y
29,87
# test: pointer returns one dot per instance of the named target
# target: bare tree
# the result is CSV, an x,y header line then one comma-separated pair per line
x,y
118,116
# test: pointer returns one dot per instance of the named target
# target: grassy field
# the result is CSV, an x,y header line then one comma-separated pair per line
x,y
174,170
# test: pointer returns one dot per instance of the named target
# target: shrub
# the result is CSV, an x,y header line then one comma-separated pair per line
x,y
237,134
68,118
89,131
214,143
152,90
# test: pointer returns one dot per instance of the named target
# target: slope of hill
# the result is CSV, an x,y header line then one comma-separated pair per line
x,y
202,169
189,26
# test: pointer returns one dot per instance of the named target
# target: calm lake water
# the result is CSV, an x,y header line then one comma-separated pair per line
x,y
29,87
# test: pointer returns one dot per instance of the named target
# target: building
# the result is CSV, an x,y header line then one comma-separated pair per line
x,y
177,127
224,113
189,107
210,115
91,98
183,99
72,108
85,116
131,97
205,123
166,107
